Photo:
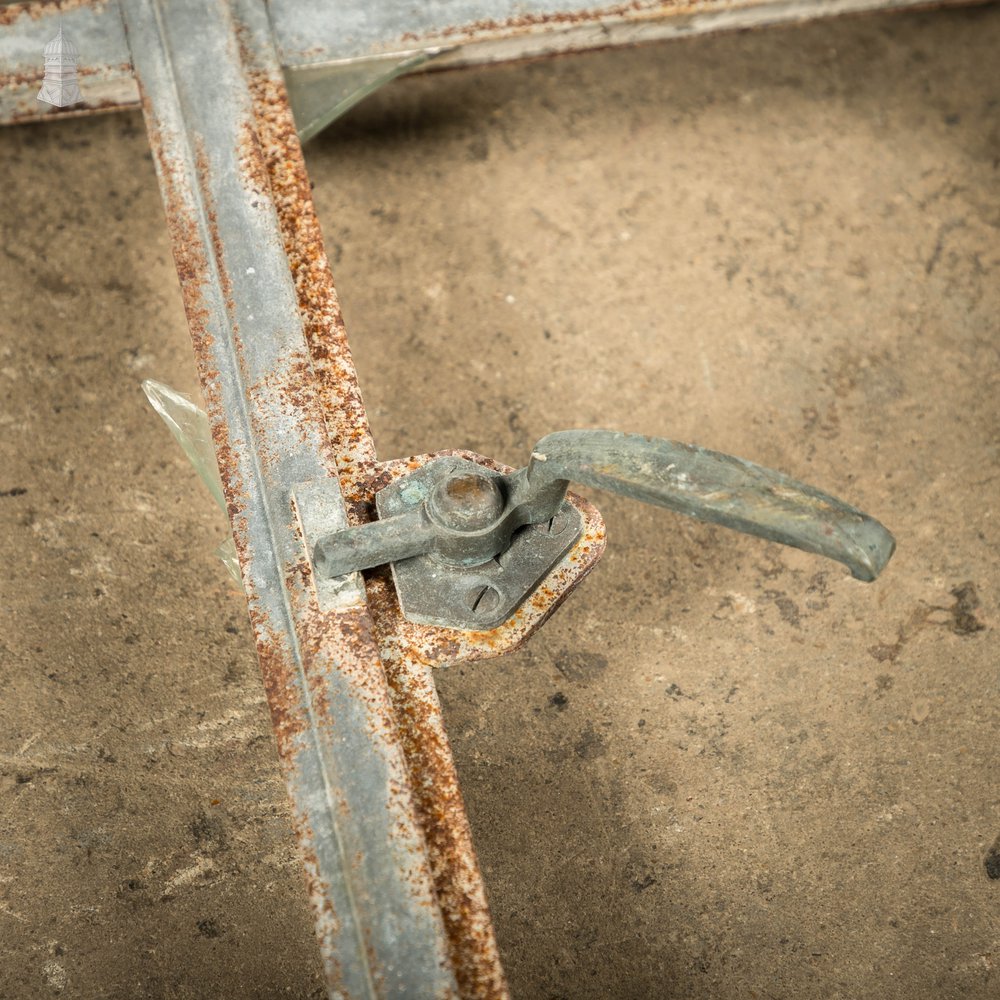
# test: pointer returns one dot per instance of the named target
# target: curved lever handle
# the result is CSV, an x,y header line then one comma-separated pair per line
x,y
470,518
709,486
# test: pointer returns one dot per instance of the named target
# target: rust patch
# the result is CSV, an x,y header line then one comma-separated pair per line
x,y
189,257
454,867
37,9
527,21
23,77
272,155
194,272
251,158
280,683
292,388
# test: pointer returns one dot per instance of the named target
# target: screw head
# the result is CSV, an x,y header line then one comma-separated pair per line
x,y
482,599
554,526
467,502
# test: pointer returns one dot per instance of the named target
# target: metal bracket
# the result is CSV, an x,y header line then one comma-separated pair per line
x,y
434,592
469,545
318,504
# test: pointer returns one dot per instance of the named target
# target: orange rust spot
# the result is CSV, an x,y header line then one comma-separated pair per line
x,y
22,77
25,77
280,684
272,159
252,161
533,20
457,879
36,9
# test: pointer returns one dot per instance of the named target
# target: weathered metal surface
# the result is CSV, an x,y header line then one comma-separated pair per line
x,y
392,875
273,140
410,651
472,949
486,584
258,296
708,486
412,522
482,31
457,535
439,646
333,53
105,71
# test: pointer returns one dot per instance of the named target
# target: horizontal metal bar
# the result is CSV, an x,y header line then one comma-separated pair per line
x,y
483,31
373,39
105,68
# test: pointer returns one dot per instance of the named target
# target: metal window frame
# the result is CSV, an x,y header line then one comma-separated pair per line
x,y
399,903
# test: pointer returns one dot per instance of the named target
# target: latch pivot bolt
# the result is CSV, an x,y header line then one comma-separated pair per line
x,y
467,502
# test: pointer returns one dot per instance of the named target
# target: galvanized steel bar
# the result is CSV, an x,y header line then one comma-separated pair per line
x,y
105,72
486,31
461,896
253,306
373,39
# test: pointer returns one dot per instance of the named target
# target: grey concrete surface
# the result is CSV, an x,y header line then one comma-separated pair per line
x,y
723,769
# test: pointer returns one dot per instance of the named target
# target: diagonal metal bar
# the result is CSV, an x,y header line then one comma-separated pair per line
x,y
378,920
461,895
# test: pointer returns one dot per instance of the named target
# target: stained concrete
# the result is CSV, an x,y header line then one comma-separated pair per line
x,y
724,769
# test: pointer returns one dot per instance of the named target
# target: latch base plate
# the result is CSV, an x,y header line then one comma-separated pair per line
x,y
476,598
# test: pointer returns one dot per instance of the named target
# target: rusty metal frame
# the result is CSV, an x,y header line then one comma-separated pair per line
x,y
398,898
366,41
399,901
400,908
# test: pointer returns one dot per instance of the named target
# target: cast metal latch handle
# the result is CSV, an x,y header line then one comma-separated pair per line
x,y
469,518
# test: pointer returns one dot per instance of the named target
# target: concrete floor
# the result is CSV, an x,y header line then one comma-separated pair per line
x,y
724,769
